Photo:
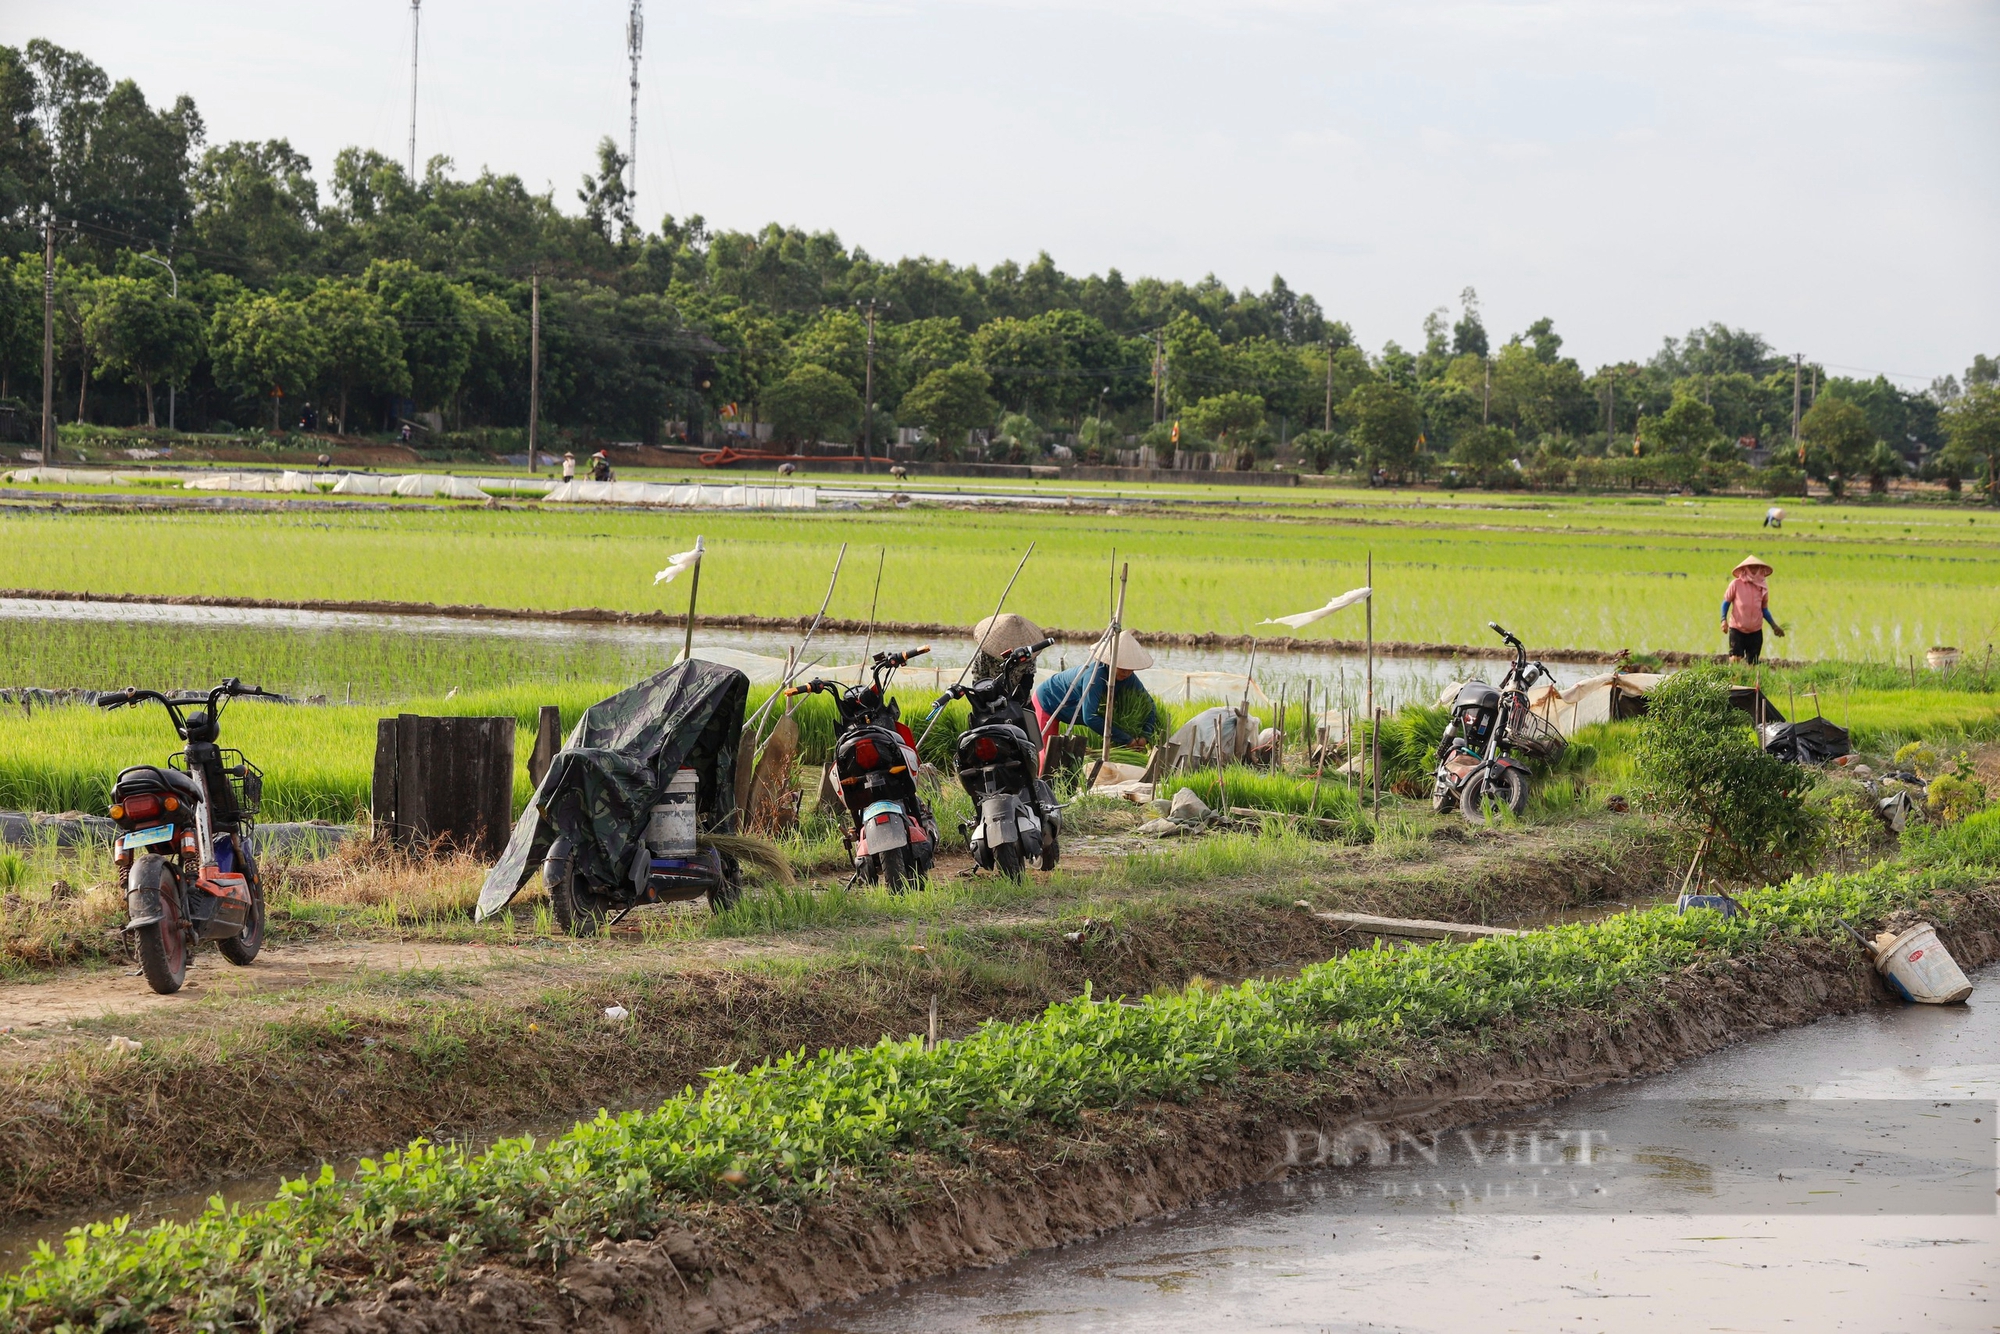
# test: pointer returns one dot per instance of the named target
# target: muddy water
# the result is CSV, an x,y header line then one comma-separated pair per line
x,y
1825,1178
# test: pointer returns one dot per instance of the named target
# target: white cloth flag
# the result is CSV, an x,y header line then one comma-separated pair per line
x,y
679,563
1305,618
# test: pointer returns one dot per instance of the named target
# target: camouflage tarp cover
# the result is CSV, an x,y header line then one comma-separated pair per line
x,y
601,787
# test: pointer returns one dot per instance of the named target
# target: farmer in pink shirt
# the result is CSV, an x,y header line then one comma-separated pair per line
x,y
1746,605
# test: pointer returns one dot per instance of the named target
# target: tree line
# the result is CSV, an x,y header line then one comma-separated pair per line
x,y
233,275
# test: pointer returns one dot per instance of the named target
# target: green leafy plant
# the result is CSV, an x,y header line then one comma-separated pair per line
x,y
1737,809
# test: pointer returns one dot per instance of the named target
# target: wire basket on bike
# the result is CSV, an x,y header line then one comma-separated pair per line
x,y
246,780
1531,734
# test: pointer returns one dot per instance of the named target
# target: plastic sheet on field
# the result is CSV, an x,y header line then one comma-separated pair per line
x,y
702,495
75,476
430,484
365,484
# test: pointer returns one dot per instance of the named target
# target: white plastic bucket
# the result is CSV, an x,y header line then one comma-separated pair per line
x,y
1919,968
670,831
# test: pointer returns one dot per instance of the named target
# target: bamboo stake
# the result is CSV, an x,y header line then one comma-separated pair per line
x,y
1111,678
868,640
979,647
1375,767
694,588
1278,745
800,661
1370,602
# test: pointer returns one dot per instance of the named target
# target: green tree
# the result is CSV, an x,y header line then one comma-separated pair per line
x,y
812,403
141,332
1685,429
266,345
1196,364
1486,453
1384,425
838,340
1320,450
363,346
1741,810
1226,419
1972,430
949,403
1838,440
438,324
256,209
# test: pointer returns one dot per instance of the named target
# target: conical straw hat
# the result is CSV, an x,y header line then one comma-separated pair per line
x,y
1132,655
1751,562
1004,633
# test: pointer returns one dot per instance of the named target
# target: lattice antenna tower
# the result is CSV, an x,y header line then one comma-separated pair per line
x,y
415,6
635,37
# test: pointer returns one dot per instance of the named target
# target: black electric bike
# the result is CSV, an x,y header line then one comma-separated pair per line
x,y
1015,815
185,839
1477,770
895,835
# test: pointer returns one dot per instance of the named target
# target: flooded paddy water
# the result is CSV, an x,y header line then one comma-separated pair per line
x,y
377,657
1834,1177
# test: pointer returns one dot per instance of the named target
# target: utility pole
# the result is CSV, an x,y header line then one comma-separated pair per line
x,y
534,366
415,5
1799,377
48,338
1329,384
868,396
635,36
1486,394
1159,371
175,279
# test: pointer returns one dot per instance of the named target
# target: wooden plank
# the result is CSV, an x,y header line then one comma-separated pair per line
x,y
1416,928
499,787
382,792
548,740
412,773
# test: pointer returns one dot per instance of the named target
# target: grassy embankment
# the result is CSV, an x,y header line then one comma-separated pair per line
x,y
1858,582
807,1131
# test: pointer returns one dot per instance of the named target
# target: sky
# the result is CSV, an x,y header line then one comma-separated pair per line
x,y
1826,174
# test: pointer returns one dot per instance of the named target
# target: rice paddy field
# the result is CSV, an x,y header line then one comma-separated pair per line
x,y
1855,582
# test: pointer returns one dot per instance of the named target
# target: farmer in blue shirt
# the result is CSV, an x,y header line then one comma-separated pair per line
x,y
1077,696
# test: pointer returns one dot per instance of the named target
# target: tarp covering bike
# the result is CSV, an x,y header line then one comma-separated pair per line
x,y
602,785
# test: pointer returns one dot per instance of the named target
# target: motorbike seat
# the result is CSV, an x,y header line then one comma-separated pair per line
x,y
155,778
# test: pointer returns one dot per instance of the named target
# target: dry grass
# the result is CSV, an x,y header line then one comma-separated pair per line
x,y
58,906
373,873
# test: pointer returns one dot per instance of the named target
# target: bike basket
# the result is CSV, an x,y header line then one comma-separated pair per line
x,y
246,780
1531,734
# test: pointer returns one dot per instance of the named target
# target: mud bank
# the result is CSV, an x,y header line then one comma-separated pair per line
x,y
1281,644
733,1268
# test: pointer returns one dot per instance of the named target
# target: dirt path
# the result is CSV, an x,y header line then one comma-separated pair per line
x,y
100,992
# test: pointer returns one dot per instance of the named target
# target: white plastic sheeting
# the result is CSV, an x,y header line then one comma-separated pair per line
x,y
251,481
365,484
437,484
76,476
705,495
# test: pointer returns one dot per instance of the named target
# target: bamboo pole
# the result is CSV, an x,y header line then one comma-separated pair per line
x,y
799,663
1111,678
979,647
694,589
1370,601
1375,765
868,640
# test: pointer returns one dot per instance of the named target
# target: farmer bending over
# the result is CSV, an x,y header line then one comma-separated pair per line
x,y
1077,696
1746,605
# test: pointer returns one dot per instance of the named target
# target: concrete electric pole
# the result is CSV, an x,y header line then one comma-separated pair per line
x,y
48,338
